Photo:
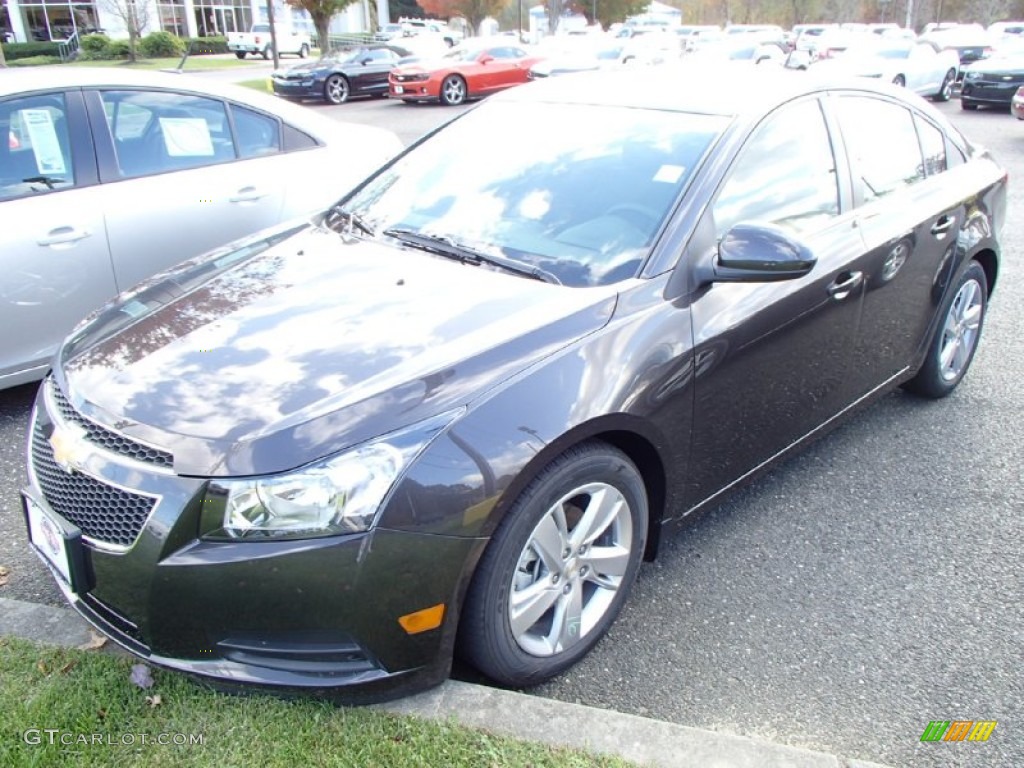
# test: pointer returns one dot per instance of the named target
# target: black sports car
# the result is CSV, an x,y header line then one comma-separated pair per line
x,y
992,82
361,71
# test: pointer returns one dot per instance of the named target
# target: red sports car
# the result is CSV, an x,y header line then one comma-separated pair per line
x,y
465,73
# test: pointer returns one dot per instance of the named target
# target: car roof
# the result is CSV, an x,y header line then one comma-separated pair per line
x,y
31,79
735,90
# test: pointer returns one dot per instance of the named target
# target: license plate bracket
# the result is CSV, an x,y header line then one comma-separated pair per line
x,y
59,543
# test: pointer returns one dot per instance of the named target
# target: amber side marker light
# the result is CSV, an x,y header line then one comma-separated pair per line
x,y
421,621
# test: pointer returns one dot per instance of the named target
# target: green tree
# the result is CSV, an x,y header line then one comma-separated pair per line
x,y
473,11
608,11
322,11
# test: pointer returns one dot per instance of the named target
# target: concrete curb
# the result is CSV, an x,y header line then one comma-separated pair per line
x,y
638,739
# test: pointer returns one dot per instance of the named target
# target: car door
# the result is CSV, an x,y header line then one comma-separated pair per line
x,y
53,246
371,71
182,174
909,213
772,357
505,68
925,70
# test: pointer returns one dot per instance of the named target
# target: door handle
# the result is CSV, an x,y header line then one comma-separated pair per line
x,y
844,284
941,227
63,236
247,195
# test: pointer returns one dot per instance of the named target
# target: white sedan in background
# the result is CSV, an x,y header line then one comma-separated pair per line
x,y
107,177
920,66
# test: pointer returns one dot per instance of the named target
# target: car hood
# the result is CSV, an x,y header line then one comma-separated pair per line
x,y
296,349
998,65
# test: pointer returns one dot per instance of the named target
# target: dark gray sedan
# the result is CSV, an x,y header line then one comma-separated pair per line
x,y
454,412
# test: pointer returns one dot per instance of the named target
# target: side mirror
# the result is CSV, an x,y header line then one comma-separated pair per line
x,y
760,253
485,59
365,61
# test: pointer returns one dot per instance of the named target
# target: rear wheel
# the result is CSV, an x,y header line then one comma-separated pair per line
x,y
303,51
956,339
945,92
240,54
453,90
336,89
558,569
267,52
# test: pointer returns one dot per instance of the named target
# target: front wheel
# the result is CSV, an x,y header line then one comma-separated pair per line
x,y
336,89
558,569
899,80
303,51
969,106
267,52
453,91
956,340
945,92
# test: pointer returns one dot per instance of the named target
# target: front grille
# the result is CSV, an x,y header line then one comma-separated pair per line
x,y
104,513
104,438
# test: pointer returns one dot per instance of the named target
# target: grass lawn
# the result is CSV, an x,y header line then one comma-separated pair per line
x,y
259,84
88,697
193,63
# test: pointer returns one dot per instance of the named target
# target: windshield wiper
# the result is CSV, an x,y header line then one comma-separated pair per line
x,y
353,221
451,248
49,181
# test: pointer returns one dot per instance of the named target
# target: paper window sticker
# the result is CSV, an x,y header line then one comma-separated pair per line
x,y
45,146
186,137
670,174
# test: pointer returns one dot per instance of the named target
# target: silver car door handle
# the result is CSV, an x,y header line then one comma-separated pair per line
x,y
247,195
61,235
845,284
941,227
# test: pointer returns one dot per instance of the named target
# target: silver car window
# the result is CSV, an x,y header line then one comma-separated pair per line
x,y
35,147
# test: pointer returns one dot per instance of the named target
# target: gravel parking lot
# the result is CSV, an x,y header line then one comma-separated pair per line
x,y
856,593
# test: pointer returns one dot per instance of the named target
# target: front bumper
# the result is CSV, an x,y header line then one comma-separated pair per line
x,y
990,93
318,616
296,89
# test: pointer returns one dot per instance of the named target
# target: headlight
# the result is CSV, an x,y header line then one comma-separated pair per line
x,y
971,75
341,494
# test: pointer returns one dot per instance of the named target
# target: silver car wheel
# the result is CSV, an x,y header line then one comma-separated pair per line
x,y
961,329
570,569
453,90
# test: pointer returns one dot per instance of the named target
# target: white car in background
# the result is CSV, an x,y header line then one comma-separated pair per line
x,y
107,177
920,66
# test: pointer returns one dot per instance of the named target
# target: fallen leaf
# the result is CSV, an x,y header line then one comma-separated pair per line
x,y
141,676
41,666
67,667
101,713
95,641
154,700
4,573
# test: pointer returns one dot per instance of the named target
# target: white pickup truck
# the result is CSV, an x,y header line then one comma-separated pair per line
x,y
257,40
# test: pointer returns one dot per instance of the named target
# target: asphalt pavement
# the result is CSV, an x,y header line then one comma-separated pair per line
x,y
863,589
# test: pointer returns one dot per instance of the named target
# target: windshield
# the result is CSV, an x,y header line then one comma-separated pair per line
x,y
583,202
463,54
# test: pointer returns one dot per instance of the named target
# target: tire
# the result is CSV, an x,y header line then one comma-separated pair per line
x,y
543,552
969,106
899,81
240,54
956,339
945,92
303,51
453,91
267,52
336,89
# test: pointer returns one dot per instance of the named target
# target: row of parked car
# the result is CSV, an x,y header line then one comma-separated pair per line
x,y
987,68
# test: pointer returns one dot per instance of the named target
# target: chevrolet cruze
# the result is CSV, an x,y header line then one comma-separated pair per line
x,y
456,411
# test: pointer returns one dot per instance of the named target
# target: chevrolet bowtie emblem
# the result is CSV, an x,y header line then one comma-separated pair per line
x,y
70,448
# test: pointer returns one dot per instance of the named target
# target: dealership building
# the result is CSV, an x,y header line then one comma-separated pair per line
x,y
24,21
